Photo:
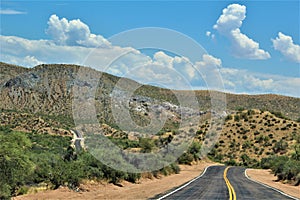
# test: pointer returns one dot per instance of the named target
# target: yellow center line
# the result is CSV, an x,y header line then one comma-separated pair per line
x,y
232,195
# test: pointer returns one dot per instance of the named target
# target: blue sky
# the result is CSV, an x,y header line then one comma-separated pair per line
x,y
271,67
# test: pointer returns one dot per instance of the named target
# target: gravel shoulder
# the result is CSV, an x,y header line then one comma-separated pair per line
x,y
264,176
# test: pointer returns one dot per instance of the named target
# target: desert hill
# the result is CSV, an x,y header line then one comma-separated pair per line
x,y
47,89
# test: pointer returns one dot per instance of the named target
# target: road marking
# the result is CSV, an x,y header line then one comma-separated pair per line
x,y
166,195
269,186
232,195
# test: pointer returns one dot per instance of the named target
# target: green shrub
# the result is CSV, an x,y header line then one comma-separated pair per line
x,y
231,162
236,118
14,161
175,168
245,159
186,158
146,144
280,146
278,114
228,118
194,149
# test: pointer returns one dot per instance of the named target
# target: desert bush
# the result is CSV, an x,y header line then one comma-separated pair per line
x,y
231,162
256,133
236,117
284,167
278,114
280,146
228,118
186,158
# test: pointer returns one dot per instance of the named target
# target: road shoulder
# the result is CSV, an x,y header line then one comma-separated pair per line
x,y
147,188
264,176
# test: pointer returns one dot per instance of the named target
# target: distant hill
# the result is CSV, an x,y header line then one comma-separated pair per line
x,y
47,89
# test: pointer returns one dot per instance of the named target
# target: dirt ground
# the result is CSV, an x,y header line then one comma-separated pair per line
x,y
147,188
265,176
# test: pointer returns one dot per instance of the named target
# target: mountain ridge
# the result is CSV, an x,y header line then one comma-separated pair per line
x,y
47,89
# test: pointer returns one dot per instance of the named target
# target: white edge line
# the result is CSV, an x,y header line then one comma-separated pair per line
x,y
183,186
269,186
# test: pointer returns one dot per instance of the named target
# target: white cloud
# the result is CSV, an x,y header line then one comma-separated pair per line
x,y
30,60
15,48
119,61
174,72
73,33
161,58
286,46
209,60
243,81
162,70
11,12
208,33
22,61
229,24
208,68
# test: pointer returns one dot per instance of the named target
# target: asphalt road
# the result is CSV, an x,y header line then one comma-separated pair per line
x,y
212,185
247,189
78,138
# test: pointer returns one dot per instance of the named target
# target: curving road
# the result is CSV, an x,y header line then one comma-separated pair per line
x,y
221,183
247,189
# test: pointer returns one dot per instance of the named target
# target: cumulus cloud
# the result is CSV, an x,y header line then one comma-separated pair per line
x,y
22,61
208,68
243,81
46,51
161,58
175,72
181,64
11,12
116,60
73,32
162,69
285,45
209,60
229,24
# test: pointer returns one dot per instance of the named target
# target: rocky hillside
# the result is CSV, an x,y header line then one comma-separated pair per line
x,y
47,89
8,71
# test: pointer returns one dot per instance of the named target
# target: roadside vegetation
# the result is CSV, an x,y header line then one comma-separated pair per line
x,y
31,160
286,168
